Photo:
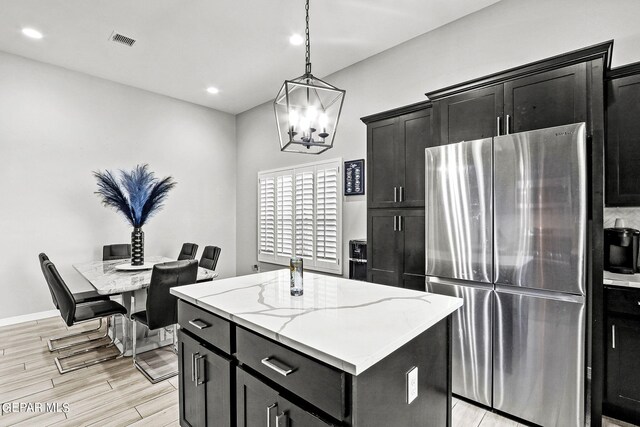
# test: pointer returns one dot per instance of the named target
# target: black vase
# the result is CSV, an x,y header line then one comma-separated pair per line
x,y
137,246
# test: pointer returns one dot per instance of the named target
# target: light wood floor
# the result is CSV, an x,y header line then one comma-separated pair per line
x,y
115,393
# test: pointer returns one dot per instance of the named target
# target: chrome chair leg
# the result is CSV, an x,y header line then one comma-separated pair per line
x,y
59,359
139,367
50,342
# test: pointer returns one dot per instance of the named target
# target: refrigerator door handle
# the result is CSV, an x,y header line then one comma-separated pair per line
x,y
613,336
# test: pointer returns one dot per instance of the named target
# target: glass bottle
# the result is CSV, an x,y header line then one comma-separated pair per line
x,y
295,269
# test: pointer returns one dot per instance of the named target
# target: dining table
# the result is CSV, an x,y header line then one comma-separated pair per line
x,y
131,286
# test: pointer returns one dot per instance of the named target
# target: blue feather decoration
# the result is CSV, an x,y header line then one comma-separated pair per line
x,y
137,195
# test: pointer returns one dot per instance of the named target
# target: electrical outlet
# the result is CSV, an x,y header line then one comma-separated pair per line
x,y
412,384
255,268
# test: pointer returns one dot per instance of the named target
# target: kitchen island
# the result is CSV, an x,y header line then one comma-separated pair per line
x,y
345,353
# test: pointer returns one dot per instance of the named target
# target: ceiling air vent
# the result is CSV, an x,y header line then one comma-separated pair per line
x,y
119,38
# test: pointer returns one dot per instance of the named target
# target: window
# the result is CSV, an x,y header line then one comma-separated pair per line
x,y
300,214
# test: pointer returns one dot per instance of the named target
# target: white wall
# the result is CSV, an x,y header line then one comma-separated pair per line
x,y
507,34
56,127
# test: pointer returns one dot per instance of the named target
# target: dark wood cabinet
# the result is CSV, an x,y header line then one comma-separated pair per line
x,y
552,98
383,158
471,115
541,100
415,136
396,141
261,406
623,137
622,390
395,156
205,384
396,247
413,249
383,247
256,401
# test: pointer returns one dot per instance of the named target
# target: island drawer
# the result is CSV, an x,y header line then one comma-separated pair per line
x,y
205,325
626,301
319,384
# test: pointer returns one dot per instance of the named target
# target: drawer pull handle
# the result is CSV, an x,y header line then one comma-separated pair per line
x,y
199,324
269,408
282,371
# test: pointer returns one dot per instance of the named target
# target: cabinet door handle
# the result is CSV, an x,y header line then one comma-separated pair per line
x,y
507,122
269,408
282,420
197,360
282,371
498,120
395,224
613,336
193,366
199,324
402,194
395,194
400,222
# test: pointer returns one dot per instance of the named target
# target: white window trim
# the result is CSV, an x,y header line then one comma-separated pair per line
x,y
315,265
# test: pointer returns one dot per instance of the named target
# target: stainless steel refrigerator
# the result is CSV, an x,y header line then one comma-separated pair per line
x,y
506,231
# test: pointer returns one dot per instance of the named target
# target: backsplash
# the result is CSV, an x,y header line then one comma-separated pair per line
x,y
631,217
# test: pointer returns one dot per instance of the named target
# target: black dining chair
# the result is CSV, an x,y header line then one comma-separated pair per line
x,y
86,296
209,258
117,251
188,251
162,310
74,313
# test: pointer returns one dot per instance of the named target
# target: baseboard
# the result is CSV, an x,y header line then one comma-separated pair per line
x,y
28,317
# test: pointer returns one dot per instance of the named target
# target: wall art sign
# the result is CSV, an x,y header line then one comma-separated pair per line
x,y
354,177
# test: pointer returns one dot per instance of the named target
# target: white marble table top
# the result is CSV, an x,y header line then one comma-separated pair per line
x,y
108,281
348,324
624,280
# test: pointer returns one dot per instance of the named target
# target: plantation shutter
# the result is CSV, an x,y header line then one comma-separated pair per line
x,y
267,205
327,195
284,216
300,213
304,214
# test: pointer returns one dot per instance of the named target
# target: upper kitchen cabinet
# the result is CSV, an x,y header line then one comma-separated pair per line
x,y
552,98
623,137
471,115
395,154
547,93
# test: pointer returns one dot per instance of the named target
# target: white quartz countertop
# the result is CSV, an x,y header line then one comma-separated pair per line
x,y
625,280
348,324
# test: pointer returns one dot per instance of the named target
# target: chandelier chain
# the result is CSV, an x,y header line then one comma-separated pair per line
x,y
307,41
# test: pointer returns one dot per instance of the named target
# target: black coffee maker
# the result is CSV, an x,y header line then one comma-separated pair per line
x,y
621,250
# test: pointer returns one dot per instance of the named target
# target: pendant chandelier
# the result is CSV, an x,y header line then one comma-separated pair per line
x,y
307,109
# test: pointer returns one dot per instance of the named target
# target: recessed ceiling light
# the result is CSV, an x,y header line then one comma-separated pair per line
x,y
212,90
296,39
31,33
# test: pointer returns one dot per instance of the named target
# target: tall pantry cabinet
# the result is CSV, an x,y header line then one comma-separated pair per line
x,y
396,141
